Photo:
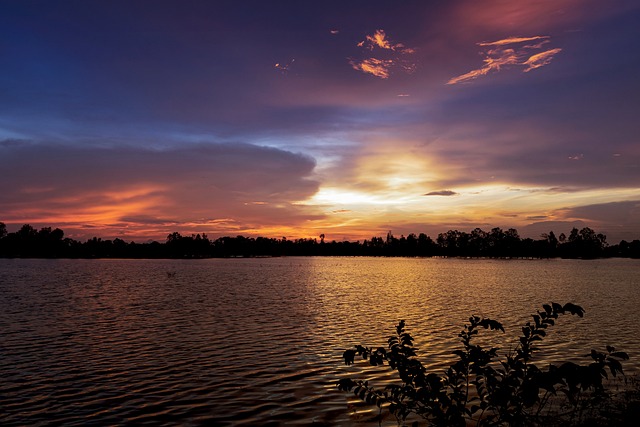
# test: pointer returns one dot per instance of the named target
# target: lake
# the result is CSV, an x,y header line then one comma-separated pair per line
x,y
259,341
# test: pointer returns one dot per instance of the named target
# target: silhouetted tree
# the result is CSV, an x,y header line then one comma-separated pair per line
x,y
426,246
585,243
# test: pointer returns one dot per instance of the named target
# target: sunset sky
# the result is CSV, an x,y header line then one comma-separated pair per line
x,y
134,119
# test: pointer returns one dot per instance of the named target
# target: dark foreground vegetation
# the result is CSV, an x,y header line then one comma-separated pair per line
x,y
50,243
485,388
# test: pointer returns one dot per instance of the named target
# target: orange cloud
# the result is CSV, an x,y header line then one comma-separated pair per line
x,y
397,56
379,40
377,67
510,52
494,61
511,40
156,191
540,59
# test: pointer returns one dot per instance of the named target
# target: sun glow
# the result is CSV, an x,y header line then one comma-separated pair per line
x,y
337,196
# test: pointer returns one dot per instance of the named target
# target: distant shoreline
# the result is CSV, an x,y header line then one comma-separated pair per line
x,y
28,242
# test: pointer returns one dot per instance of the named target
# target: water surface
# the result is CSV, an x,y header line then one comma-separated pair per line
x,y
259,341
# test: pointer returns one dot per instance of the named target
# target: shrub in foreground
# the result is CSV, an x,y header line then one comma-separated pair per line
x,y
485,389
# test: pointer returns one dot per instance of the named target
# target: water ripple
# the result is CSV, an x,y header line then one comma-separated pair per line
x,y
258,342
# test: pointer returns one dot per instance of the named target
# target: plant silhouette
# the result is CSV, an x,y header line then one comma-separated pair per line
x,y
480,387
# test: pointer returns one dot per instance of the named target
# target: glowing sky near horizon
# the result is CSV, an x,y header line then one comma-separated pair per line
x,y
344,118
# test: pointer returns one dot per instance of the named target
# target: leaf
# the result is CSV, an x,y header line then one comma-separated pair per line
x,y
547,308
495,325
349,356
610,349
536,318
621,355
345,384
574,309
371,398
614,366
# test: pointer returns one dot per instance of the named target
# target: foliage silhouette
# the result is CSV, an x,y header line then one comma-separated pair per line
x,y
28,242
480,387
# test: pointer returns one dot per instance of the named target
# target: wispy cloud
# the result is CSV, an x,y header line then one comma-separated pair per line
x,y
511,51
537,217
389,56
511,40
377,67
540,59
379,40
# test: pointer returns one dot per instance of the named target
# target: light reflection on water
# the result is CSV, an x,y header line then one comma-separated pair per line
x,y
259,341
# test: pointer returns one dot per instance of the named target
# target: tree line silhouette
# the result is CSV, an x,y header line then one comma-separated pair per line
x,y
29,242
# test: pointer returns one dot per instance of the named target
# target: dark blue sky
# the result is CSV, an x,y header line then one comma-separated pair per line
x,y
137,118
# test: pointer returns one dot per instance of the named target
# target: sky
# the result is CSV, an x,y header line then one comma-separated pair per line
x,y
135,119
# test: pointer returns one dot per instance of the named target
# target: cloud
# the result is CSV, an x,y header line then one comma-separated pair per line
x,y
151,190
507,52
537,217
536,166
536,229
619,213
512,40
147,219
540,59
394,56
379,40
617,220
442,193
13,142
377,67
499,15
